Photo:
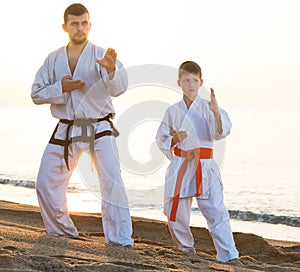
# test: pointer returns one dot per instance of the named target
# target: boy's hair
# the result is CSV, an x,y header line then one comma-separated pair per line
x,y
190,67
75,9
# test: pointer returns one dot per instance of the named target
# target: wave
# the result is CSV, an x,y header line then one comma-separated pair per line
x,y
31,185
292,221
22,183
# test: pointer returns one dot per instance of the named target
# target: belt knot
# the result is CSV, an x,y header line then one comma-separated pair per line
x,y
193,153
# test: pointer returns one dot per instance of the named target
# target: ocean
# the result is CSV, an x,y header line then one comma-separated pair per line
x,y
259,161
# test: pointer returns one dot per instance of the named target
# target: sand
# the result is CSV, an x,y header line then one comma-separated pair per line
x,y
25,246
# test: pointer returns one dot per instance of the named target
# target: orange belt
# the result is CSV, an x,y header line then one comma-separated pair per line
x,y
197,154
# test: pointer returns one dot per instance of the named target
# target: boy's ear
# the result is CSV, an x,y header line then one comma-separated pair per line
x,y
179,82
201,82
64,27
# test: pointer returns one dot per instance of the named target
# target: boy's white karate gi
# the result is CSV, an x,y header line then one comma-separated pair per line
x,y
199,123
90,102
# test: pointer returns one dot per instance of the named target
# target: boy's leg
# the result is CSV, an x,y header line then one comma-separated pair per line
x,y
180,229
217,218
116,217
51,187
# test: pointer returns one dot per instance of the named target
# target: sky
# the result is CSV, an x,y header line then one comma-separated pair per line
x,y
248,50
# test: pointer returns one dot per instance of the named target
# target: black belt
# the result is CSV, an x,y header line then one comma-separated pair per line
x,y
84,124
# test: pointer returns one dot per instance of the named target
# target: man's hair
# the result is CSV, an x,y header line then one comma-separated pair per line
x,y
75,9
190,67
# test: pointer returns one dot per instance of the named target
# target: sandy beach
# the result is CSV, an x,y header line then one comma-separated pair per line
x,y
25,246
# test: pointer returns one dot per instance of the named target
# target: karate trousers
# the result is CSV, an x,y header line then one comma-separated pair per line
x,y
217,217
52,184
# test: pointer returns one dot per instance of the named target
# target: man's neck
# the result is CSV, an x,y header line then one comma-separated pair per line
x,y
76,47
74,51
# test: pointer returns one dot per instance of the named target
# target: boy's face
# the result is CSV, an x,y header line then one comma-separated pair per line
x,y
190,84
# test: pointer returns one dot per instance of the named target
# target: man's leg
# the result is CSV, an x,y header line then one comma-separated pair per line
x,y
180,229
51,186
116,218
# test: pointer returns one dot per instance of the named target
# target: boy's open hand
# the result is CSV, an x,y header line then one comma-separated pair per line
x,y
178,136
213,104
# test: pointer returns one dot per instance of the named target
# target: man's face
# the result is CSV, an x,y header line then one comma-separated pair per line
x,y
190,84
78,28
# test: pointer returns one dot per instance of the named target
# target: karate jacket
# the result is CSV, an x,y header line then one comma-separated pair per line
x,y
91,101
200,124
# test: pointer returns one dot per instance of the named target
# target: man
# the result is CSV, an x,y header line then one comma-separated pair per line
x,y
78,81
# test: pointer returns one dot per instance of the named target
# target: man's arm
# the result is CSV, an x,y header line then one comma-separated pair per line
x,y
109,62
47,91
44,89
114,74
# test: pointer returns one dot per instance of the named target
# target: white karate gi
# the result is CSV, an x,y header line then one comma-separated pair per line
x,y
92,101
199,123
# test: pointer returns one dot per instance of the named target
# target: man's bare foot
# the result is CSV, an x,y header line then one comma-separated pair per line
x,y
236,262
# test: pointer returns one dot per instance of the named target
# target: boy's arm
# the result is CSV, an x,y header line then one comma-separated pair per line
x,y
214,107
221,122
178,136
164,136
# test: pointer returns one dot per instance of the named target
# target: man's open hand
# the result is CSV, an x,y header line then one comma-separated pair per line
x,y
109,60
69,85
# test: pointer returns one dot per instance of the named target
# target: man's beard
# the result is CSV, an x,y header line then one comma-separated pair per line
x,y
78,41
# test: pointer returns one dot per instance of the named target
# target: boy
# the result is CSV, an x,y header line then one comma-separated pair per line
x,y
188,130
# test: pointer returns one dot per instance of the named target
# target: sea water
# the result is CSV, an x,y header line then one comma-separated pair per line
x,y
260,167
